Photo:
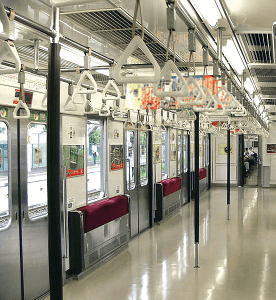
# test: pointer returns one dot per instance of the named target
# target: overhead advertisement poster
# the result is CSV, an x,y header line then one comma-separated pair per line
x,y
73,160
223,149
133,99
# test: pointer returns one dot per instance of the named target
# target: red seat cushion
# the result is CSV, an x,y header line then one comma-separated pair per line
x,y
171,185
202,173
104,211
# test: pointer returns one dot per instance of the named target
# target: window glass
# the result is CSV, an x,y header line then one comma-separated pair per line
x,y
4,177
179,154
164,156
143,158
130,148
185,151
37,170
207,151
95,161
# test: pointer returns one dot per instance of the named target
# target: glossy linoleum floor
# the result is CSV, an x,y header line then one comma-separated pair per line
x,y
237,257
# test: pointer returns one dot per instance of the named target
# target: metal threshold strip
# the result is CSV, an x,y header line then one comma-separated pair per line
x,y
115,26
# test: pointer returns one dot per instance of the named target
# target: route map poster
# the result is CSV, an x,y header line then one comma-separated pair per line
x,y
73,160
116,157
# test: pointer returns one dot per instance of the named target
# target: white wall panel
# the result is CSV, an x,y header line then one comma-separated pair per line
x,y
221,173
115,131
219,160
273,170
76,186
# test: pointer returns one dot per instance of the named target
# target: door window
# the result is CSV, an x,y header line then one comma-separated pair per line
x,y
179,153
96,161
130,154
165,154
143,158
4,177
37,170
185,156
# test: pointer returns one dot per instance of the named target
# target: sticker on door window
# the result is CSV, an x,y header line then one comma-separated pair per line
x,y
73,160
38,156
116,157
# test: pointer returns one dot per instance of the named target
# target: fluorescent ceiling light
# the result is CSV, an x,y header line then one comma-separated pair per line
x,y
232,54
103,71
208,10
256,100
76,58
261,109
249,86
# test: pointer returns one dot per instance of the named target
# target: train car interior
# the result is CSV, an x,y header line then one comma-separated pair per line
x,y
115,114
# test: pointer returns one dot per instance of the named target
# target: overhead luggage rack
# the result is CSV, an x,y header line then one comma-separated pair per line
x,y
27,52
115,26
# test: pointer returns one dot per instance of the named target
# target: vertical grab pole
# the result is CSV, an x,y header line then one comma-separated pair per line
x,y
189,165
53,164
228,172
210,161
196,207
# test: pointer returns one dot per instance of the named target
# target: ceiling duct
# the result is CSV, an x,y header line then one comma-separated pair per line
x,y
259,48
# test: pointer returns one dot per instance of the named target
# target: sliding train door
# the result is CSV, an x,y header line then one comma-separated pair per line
x,y
137,179
33,195
23,206
10,279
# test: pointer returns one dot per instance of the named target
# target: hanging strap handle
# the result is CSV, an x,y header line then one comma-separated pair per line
x,y
135,43
109,84
201,97
212,104
170,65
21,102
70,105
8,24
80,90
44,100
138,5
9,47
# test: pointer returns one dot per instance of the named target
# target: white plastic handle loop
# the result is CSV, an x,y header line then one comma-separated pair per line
x,y
8,25
89,108
212,104
104,111
225,96
44,101
8,47
111,83
69,104
135,43
170,65
79,88
200,98
19,105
